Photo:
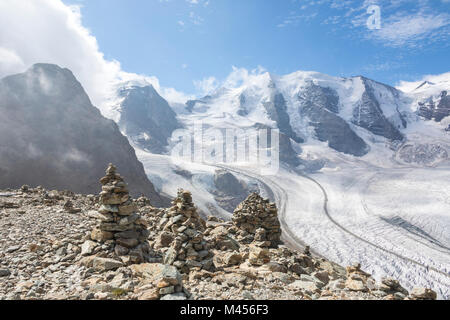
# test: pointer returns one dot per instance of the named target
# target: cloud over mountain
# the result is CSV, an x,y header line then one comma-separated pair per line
x,y
48,31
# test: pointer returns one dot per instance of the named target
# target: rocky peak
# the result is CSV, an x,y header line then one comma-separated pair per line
x,y
435,107
320,105
51,135
147,118
425,83
369,115
48,81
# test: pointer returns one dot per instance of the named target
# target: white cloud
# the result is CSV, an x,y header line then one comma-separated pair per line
x,y
236,78
48,31
9,61
206,85
196,2
409,30
404,23
241,76
383,66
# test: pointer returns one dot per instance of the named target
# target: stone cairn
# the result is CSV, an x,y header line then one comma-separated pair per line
x,y
255,221
119,222
182,229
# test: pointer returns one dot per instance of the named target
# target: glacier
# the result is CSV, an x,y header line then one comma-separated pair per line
x,y
370,183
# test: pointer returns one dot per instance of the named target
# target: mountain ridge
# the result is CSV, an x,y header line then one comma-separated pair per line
x,y
52,135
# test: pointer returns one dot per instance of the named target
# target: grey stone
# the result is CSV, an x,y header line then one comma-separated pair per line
x,y
106,264
4,272
87,247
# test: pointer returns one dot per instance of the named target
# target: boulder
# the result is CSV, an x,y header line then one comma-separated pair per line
x,y
160,274
227,259
355,285
106,264
101,235
87,247
423,294
4,272
151,294
258,256
304,286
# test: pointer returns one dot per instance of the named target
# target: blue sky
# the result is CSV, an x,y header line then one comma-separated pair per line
x,y
185,41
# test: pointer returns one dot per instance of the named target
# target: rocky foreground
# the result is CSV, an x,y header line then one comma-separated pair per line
x,y
61,245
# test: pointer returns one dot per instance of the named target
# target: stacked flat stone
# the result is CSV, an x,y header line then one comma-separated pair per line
x,y
188,249
119,221
256,221
218,235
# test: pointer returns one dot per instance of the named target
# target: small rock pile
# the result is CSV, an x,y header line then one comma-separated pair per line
x,y
256,220
183,205
423,294
68,206
118,220
219,236
160,282
357,280
392,288
182,231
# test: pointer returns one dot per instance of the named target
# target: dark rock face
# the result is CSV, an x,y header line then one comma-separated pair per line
x,y
229,190
369,115
51,135
443,108
147,118
227,183
191,104
426,109
424,84
242,111
436,111
320,105
287,153
423,154
339,135
277,111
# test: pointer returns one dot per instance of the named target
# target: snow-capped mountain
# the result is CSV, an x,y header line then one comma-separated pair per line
x,y
145,117
51,135
430,98
435,107
322,121
314,113
349,115
364,165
